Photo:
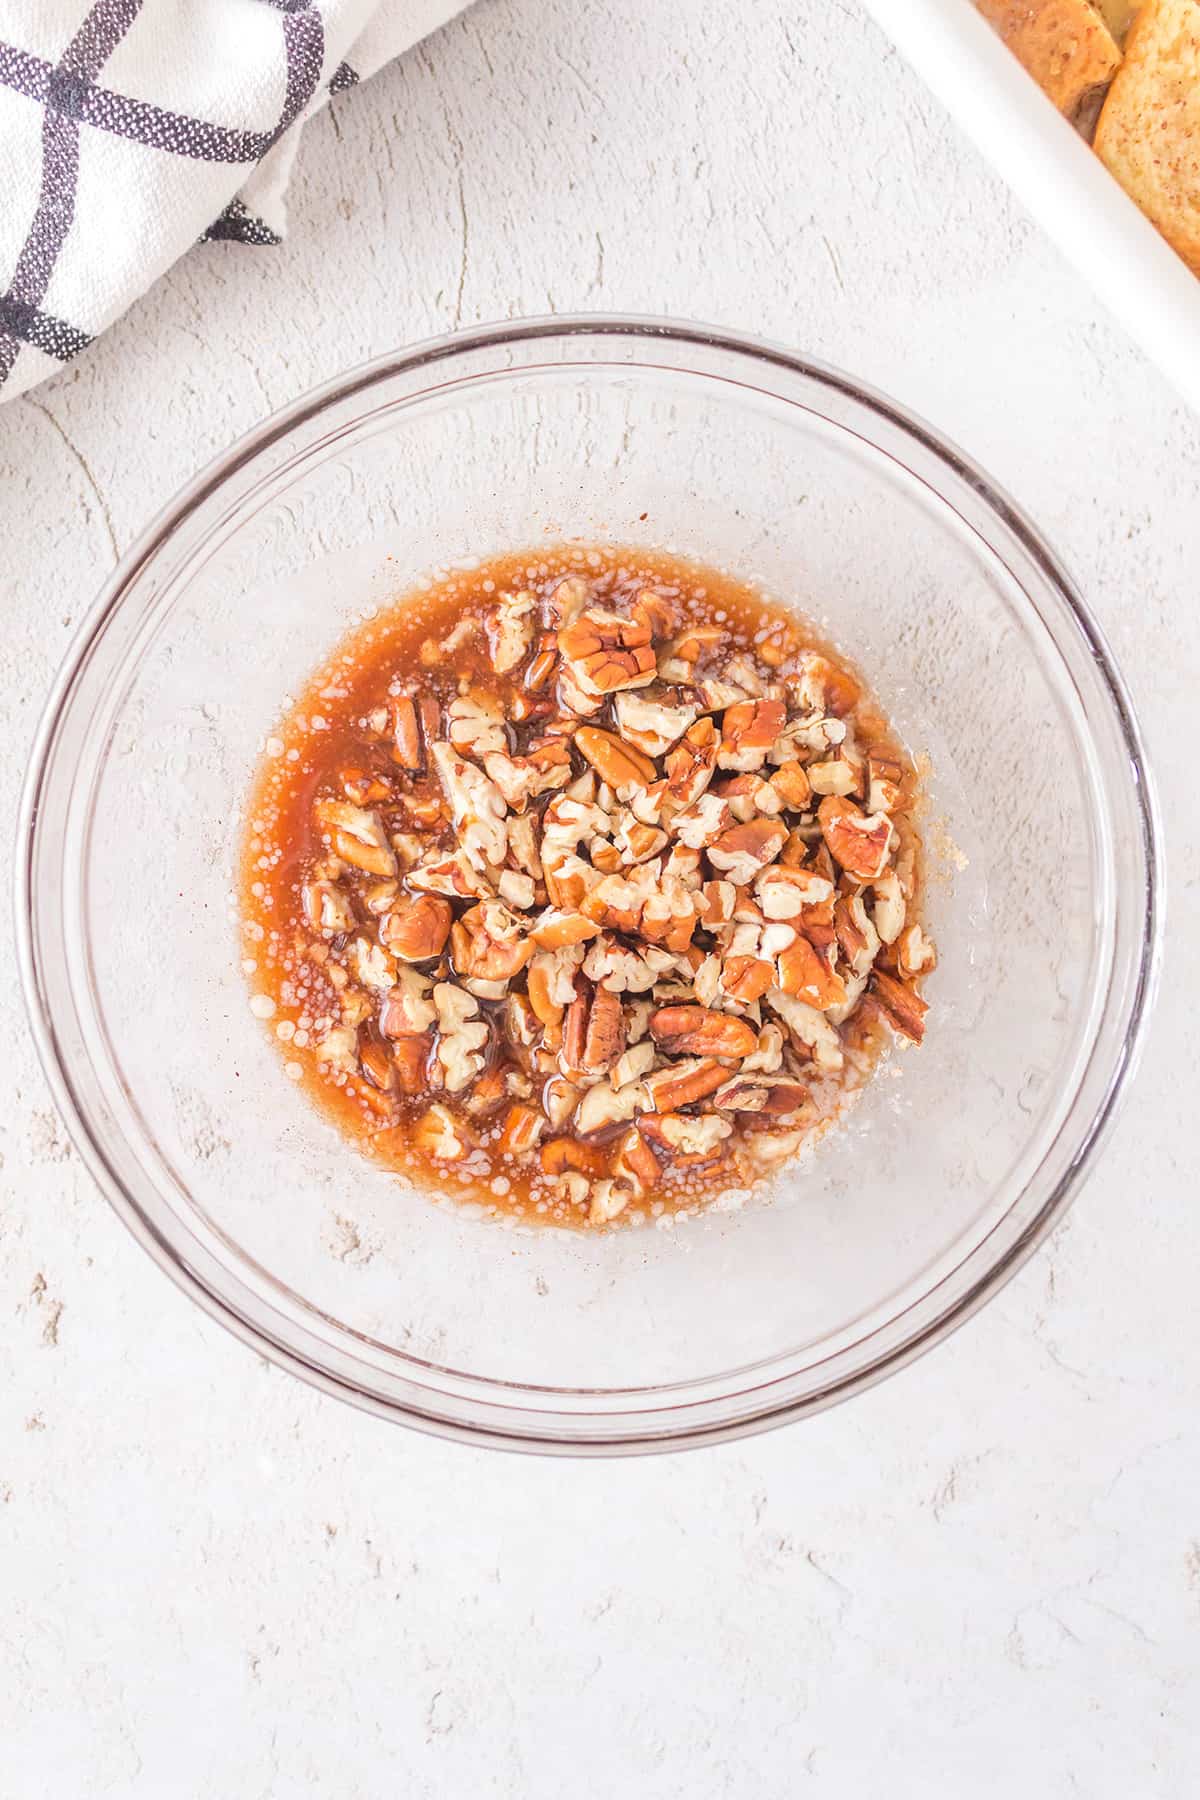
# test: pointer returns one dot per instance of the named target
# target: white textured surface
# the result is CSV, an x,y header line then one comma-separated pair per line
x,y
982,1578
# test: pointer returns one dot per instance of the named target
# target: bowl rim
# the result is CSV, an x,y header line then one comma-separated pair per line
x,y
207,482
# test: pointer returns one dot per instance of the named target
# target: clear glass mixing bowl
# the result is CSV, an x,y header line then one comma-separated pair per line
x,y
1043,896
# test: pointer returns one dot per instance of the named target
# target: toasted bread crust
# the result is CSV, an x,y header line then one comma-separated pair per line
x,y
1065,45
1149,130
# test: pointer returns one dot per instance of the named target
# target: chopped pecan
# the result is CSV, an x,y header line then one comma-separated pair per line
x,y
784,893
516,889
357,836
636,1164
522,778
414,725
489,944
914,952
451,875
889,909
476,723
652,725
810,1028
857,937
478,807
560,1097
792,786
687,1137
860,842
626,971
691,764
554,929
885,781
523,1126
616,763
608,1202
821,685
607,652
328,909
804,972
698,1031
568,599
660,612
462,1035
372,965
902,1005
377,1066
749,729
560,1154
363,788
605,1105
410,1055
510,630
633,1063
439,1135
703,821
407,1010
605,1037
740,851
416,928
839,775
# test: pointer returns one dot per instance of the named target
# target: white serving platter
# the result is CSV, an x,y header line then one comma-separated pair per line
x,y
1065,186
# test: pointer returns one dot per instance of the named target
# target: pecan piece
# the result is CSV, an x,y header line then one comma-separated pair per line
x,y
489,944
889,909
857,937
476,725
785,893
902,1006
462,1035
416,928
691,764
478,808
357,836
414,726
651,725
439,1135
682,1083
406,1009
510,630
810,1028
616,763
561,1154
806,974
687,1138
741,851
748,731
859,841
410,1055
698,1031
914,952
792,785
523,1126
327,909
555,929
885,780
636,1164
605,1037
607,652
823,686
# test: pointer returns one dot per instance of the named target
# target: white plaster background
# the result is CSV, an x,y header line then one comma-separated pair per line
x,y
982,1578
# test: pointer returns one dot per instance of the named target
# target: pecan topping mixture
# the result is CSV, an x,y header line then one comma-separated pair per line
x,y
586,887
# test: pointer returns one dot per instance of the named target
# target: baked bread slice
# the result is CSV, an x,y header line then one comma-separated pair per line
x,y
1149,129
1065,45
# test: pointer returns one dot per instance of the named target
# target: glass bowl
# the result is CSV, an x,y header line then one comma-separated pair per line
x,y
1041,845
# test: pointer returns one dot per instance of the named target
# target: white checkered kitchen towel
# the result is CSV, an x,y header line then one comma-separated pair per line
x,y
129,129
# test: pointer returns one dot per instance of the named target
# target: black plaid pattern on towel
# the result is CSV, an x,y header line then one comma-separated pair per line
x,y
132,129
